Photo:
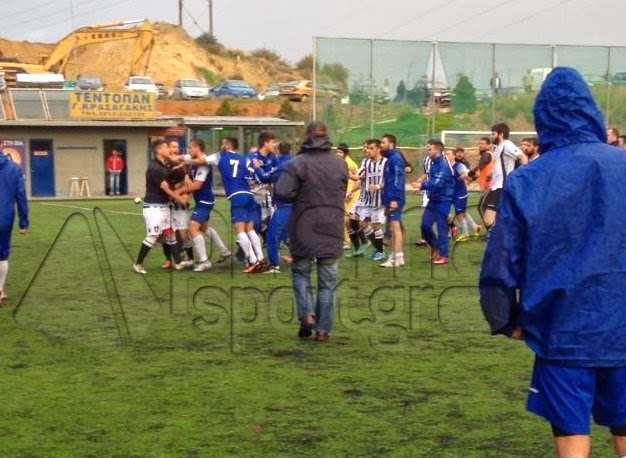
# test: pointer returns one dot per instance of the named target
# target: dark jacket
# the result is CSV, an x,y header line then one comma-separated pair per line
x,y
560,237
315,181
440,183
393,178
12,192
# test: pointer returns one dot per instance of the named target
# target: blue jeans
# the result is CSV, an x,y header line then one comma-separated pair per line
x,y
277,232
326,283
436,212
114,182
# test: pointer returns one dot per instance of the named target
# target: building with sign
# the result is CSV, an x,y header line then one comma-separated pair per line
x,y
63,138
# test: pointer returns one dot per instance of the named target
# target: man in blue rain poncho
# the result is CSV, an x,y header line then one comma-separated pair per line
x,y
560,239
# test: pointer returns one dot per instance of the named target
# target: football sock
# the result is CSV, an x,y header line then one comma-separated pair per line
x,y
379,237
199,248
463,227
166,251
362,237
369,233
175,250
470,222
399,257
354,236
256,245
246,246
146,246
4,271
216,240
188,247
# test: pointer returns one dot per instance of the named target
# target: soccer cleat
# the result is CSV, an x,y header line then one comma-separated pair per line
x,y
138,268
182,265
273,270
378,256
420,242
166,265
251,268
353,254
224,257
477,232
347,246
202,266
261,267
463,238
392,263
363,249
440,261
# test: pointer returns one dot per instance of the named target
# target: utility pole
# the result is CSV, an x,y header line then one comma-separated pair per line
x,y
211,18
180,13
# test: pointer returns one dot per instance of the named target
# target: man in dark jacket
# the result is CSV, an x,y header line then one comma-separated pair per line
x,y
316,182
440,188
12,192
559,239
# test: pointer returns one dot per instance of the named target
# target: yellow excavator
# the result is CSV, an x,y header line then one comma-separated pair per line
x,y
56,62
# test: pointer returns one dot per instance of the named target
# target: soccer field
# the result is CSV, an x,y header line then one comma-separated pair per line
x,y
99,361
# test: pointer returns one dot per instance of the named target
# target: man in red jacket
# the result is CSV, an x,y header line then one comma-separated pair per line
x,y
115,167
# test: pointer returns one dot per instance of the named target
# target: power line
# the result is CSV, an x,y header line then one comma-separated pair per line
x,y
193,19
28,10
421,15
524,19
475,15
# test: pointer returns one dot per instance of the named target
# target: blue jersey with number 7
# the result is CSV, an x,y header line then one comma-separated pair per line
x,y
234,172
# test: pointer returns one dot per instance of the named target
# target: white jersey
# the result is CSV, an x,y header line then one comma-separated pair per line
x,y
507,152
371,173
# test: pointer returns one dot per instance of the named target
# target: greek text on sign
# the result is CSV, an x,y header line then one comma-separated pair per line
x,y
112,105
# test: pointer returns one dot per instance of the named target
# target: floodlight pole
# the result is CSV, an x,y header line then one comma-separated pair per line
x,y
180,13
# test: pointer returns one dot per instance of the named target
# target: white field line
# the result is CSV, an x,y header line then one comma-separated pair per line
x,y
86,208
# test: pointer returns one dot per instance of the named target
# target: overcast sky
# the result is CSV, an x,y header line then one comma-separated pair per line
x,y
287,26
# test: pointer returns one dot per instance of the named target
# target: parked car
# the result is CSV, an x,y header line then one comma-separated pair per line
x,y
302,90
141,84
272,91
3,83
190,89
595,80
89,83
163,91
233,88
619,78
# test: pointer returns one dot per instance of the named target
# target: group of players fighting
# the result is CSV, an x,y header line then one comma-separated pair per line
x,y
373,203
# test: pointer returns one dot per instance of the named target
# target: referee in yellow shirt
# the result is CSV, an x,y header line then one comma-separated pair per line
x,y
352,193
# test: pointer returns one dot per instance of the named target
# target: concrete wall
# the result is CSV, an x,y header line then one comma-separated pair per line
x,y
80,152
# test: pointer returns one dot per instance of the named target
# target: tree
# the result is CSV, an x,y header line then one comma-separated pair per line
x,y
226,109
286,111
337,73
206,39
305,65
464,96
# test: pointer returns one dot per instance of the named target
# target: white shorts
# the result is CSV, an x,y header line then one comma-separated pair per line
x,y
157,218
424,200
375,214
180,219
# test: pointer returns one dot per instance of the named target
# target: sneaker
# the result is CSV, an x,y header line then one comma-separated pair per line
x,y
273,270
224,257
182,265
166,265
378,256
463,238
202,266
139,269
261,267
434,254
440,261
347,246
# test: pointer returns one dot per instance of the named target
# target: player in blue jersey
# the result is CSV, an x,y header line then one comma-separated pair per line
x,y
202,189
235,178
267,163
460,170
277,229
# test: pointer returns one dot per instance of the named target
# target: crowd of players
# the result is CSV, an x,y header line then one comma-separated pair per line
x,y
374,200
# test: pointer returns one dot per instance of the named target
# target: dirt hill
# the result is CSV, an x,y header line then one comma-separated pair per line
x,y
175,55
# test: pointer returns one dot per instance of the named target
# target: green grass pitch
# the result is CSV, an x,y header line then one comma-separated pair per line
x,y
98,361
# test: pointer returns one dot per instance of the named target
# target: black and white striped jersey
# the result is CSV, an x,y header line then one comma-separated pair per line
x,y
371,172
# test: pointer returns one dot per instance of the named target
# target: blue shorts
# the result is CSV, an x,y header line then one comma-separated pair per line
x,y
395,215
201,213
568,396
5,245
460,204
243,208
